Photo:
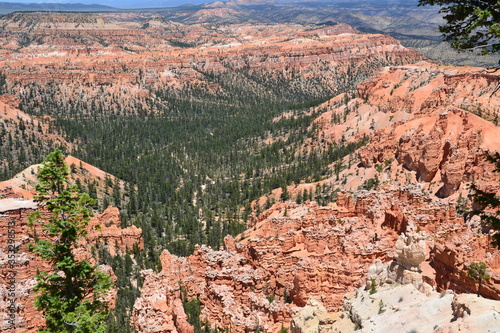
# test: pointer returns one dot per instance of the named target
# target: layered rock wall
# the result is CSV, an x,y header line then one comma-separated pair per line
x,y
435,129
314,251
125,56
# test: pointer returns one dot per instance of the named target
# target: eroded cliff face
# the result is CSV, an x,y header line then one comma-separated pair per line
x,y
396,295
295,252
443,141
136,48
426,118
425,147
16,284
424,127
401,306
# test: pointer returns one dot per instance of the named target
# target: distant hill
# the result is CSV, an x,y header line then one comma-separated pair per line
x,y
416,27
9,7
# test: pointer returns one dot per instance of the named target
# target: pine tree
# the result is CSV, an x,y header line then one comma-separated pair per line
x,y
470,24
71,296
477,271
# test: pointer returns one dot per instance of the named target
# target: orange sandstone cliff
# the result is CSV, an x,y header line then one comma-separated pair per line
x,y
119,58
313,251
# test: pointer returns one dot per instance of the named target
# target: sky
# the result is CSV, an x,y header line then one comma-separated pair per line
x,y
119,3
157,3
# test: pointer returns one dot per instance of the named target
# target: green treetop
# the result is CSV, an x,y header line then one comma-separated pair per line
x,y
71,296
470,24
477,271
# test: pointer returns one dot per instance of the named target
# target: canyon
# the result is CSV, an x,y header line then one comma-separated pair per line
x,y
128,55
429,148
422,133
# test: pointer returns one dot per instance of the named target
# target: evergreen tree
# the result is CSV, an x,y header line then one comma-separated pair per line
x,y
477,271
471,24
70,297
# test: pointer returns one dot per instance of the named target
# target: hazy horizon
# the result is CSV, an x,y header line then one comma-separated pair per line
x,y
173,3
115,3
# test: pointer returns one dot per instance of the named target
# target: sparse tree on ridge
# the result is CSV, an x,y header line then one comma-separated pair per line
x,y
477,271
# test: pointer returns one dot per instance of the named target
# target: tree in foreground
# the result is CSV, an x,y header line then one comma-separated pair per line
x,y
477,271
70,297
471,24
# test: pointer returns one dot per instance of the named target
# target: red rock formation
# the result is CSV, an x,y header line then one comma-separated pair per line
x,y
432,130
14,212
122,56
105,229
319,252
424,127
13,219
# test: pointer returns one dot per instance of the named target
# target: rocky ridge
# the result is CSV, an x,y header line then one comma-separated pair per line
x,y
424,126
427,124
442,141
401,306
295,252
416,26
426,118
125,56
